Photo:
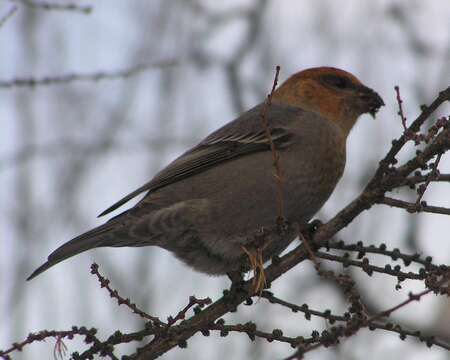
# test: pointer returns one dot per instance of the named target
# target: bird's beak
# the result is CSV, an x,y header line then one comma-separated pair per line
x,y
372,101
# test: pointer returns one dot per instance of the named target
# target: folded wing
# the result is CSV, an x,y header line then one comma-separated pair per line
x,y
243,136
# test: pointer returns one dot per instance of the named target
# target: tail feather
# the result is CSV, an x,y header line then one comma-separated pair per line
x,y
89,240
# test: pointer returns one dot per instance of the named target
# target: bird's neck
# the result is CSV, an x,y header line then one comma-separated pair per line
x,y
339,115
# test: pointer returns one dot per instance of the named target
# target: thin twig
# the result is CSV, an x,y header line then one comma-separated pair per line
x,y
411,297
252,332
256,259
416,179
8,15
370,269
352,327
397,145
372,324
90,337
104,283
400,107
182,313
413,207
95,76
309,250
394,254
430,176
51,6
275,155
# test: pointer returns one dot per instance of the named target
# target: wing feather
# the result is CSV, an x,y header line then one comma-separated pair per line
x,y
223,145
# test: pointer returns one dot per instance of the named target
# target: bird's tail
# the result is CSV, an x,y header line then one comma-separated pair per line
x,y
97,237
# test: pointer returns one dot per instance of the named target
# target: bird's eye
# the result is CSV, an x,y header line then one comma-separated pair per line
x,y
337,81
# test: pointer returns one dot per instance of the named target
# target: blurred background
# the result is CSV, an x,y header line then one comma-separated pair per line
x,y
69,150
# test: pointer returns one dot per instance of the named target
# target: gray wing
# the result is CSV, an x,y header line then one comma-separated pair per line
x,y
243,136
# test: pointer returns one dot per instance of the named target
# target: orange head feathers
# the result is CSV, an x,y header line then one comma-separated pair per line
x,y
333,93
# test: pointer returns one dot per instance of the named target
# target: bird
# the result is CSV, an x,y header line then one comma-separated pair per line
x,y
207,205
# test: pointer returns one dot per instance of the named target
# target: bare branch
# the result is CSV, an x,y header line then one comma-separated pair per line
x,y
368,268
411,297
416,179
373,324
398,144
95,76
430,176
394,254
414,207
252,332
51,6
90,337
193,301
400,107
104,283
8,15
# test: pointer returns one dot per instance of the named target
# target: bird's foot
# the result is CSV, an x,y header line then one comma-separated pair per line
x,y
312,227
237,280
306,236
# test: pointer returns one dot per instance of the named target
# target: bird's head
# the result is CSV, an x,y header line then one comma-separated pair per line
x,y
333,93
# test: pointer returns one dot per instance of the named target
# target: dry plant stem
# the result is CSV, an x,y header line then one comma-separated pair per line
x,y
96,76
256,260
60,349
275,155
257,267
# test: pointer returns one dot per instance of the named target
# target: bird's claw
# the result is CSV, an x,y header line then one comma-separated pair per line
x,y
313,226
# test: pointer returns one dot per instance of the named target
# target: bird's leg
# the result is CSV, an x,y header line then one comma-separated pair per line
x,y
237,280
306,235
307,230
312,226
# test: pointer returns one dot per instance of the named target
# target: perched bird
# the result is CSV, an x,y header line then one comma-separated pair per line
x,y
206,205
